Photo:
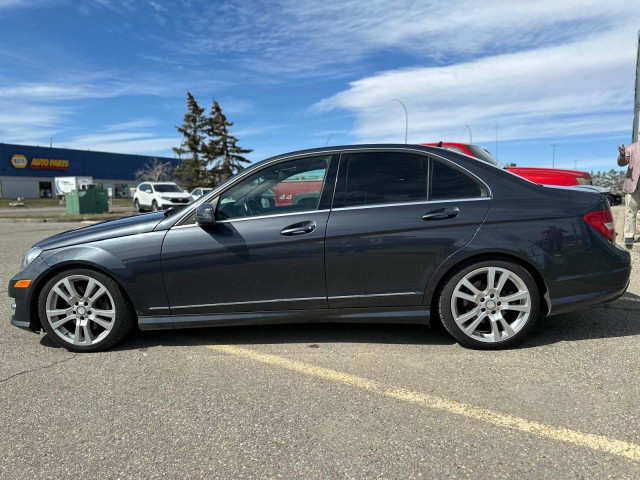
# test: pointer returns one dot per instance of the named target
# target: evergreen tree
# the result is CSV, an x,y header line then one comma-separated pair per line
x,y
191,172
222,151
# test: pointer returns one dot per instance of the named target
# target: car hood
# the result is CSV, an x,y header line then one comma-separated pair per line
x,y
174,194
101,231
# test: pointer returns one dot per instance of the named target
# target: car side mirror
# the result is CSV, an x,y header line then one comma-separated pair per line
x,y
205,215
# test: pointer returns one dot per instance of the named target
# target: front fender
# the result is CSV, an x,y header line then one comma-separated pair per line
x,y
132,261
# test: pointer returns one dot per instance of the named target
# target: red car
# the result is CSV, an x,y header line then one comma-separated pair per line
x,y
545,176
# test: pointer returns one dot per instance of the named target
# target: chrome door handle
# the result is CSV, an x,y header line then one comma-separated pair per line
x,y
442,213
301,228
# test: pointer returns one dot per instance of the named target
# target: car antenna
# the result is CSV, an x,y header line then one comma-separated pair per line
x,y
440,143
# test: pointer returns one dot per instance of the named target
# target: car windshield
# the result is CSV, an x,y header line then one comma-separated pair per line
x,y
167,188
485,156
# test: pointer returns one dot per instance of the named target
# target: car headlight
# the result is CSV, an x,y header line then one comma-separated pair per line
x,y
30,256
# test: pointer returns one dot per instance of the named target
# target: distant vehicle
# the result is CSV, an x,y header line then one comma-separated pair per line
x,y
543,176
199,192
158,196
64,185
299,189
395,233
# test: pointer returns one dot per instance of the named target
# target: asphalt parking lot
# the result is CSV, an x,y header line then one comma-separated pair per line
x,y
322,401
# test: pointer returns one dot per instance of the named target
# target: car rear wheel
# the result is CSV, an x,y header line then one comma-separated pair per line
x,y
84,310
491,304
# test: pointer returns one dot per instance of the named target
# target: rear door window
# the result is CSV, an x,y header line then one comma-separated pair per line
x,y
385,177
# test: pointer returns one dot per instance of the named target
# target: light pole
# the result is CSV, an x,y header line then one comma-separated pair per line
x,y
328,138
406,118
470,138
553,158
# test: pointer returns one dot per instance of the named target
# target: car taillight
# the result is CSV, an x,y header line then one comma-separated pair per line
x,y
602,221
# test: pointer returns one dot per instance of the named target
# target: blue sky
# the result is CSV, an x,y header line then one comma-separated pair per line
x,y
292,74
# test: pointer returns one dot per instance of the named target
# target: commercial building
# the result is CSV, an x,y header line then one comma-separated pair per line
x,y
29,171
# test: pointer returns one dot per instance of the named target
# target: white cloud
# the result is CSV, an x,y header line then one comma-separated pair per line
x,y
322,38
125,142
132,124
577,88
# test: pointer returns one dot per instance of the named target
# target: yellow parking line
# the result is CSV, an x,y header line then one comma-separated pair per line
x,y
595,442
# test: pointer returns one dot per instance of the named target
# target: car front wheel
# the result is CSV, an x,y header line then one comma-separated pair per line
x,y
136,205
84,310
490,304
154,206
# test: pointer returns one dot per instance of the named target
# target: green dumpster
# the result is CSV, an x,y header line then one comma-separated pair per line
x,y
87,201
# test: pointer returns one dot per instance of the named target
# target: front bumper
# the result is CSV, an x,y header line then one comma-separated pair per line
x,y
170,203
24,315
17,322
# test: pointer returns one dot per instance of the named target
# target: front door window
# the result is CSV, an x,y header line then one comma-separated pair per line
x,y
287,187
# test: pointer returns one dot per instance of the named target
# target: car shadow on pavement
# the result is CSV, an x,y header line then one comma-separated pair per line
x,y
618,319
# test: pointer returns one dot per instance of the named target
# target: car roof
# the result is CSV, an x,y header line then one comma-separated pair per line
x,y
367,146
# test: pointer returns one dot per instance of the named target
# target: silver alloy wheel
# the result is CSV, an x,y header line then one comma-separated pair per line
x,y
154,206
491,304
80,310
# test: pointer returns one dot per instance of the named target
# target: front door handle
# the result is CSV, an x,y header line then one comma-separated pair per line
x,y
441,213
301,228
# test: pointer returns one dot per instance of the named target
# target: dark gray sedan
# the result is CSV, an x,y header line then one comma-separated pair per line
x,y
378,233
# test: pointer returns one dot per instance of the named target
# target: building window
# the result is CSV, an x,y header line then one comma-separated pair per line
x,y
45,189
121,190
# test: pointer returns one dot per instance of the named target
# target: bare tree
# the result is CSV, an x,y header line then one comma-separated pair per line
x,y
155,171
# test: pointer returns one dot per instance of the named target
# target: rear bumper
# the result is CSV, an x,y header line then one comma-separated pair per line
x,y
579,302
602,288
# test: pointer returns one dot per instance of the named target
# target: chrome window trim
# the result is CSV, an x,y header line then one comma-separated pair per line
x,y
355,207
225,304
329,151
259,217
419,202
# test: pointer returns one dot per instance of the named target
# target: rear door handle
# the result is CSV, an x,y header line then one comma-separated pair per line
x,y
441,213
301,228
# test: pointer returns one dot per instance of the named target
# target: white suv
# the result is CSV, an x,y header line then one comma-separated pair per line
x,y
159,195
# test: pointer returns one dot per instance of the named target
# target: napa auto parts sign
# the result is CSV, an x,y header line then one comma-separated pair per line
x,y
20,161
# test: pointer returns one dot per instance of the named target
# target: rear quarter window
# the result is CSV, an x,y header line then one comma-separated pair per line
x,y
449,183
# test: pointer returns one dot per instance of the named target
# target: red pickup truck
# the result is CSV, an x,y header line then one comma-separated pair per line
x,y
545,176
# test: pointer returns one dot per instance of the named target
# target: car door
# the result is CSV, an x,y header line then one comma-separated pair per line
x,y
145,195
396,216
259,255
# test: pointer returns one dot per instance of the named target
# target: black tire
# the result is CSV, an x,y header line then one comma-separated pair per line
x,y
447,316
136,205
154,206
125,317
